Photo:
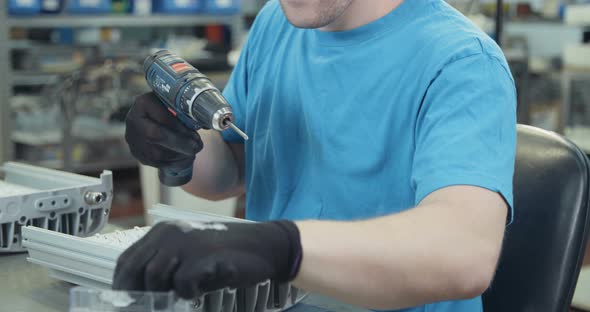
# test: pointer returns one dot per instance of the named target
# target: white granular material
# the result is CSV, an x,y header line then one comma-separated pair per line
x,y
118,299
121,239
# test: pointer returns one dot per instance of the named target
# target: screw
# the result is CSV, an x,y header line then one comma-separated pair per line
x,y
94,198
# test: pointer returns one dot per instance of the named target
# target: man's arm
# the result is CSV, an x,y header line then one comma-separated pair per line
x,y
218,169
446,248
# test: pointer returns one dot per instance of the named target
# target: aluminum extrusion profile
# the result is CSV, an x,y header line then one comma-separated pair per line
x,y
52,200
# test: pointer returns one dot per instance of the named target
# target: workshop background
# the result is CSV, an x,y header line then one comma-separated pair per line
x,y
71,68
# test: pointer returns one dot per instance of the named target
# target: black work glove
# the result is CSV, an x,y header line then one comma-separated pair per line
x,y
195,258
158,139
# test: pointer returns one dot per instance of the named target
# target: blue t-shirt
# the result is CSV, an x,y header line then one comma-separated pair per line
x,y
367,122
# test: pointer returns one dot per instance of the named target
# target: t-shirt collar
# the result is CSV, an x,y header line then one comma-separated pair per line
x,y
394,19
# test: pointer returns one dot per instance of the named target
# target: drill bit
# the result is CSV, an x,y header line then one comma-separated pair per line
x,y
237,130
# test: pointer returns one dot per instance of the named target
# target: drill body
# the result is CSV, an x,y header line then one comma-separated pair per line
x,y
191,97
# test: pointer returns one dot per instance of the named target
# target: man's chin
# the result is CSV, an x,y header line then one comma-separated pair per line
x,y
303,25
299,14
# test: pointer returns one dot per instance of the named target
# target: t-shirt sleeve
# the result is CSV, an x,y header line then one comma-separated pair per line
x,y
466,129
236,90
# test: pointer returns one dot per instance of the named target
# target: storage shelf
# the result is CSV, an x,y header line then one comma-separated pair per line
x,y
577,15
22,78
87,167
162,20
13,78
32,79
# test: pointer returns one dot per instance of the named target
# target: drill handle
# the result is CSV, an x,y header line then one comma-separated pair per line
x,y
173,177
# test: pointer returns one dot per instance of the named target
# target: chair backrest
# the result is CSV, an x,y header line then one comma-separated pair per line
x,y
544,246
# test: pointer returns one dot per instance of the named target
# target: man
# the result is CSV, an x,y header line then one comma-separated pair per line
x,y
384,130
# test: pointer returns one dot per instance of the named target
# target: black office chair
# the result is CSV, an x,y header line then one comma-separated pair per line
x,y
544,246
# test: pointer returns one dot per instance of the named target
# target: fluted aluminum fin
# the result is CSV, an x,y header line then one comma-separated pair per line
x,y
246,299
294,294
229,300
279,292
213,302
263,295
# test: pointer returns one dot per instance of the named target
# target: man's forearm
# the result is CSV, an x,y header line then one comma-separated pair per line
x,y
430,253
218,169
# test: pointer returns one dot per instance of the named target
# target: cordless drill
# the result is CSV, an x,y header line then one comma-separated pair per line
x,y
192,98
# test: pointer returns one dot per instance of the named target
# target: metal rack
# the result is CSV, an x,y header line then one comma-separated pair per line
x,y
570,74
161,20
8,78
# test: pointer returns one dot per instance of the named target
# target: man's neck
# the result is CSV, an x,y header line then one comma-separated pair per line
x,y
362,12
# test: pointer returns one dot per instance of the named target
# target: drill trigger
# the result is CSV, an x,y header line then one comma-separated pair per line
x,y
172,111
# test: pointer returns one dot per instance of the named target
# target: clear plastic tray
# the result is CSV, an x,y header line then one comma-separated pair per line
x,y
93,300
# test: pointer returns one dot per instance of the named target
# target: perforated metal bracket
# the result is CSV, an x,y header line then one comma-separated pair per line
x,y
53,200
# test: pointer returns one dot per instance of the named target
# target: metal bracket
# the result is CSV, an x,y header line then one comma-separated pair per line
x,y
50,199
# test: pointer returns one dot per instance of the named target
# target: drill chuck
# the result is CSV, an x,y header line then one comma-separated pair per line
x,y
190,96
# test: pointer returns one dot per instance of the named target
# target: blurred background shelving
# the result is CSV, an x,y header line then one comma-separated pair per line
x,y
69,77
43,51
547,43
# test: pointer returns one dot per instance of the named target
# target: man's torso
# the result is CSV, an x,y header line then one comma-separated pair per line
x,y
332,116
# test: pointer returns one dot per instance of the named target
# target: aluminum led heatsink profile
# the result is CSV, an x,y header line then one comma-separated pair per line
x,y
90,262
49,199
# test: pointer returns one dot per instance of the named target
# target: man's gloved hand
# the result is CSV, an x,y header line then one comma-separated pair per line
x,y
195,258
156,138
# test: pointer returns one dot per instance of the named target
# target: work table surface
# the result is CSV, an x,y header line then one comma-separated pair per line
x,y
28,287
